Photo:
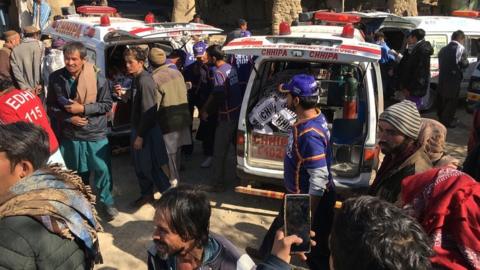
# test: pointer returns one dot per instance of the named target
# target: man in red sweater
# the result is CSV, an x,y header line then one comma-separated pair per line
x,y
19,105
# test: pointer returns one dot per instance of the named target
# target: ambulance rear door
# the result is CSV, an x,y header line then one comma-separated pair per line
x,y
262,153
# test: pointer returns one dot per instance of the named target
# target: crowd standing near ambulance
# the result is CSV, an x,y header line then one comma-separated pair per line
x,y
59,102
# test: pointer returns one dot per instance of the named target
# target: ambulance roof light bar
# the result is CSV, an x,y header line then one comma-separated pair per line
x,y
149,18
284,28
104,20
96,10
348,31
466,13
333,17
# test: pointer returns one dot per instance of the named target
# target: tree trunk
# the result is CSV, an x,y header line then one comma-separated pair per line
x,y
183,10
403,7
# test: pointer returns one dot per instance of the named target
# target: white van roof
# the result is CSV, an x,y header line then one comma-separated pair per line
x,y
85,28
323,31
445,23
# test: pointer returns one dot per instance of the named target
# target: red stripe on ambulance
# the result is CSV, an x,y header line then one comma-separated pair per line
x,y
360,49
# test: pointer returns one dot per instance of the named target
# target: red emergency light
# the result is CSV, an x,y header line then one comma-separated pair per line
x,y
333,17
104,20
466,13
149,18
284,28
348,31
96,10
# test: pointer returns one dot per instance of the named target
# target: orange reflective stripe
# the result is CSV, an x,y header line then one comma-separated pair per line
x,y
317,157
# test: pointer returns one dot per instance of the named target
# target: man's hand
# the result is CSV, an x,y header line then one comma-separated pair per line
x,y
75,108
282,244
79,121
138,143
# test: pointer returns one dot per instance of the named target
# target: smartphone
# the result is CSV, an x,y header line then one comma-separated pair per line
x,y
63,101
297,216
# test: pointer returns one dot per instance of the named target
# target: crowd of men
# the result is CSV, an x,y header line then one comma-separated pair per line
x,y
421,212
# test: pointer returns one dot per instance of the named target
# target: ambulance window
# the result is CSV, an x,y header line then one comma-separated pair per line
x,y
472,46
438,42
91,56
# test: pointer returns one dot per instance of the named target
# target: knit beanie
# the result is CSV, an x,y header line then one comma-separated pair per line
x,y
405,117
157,56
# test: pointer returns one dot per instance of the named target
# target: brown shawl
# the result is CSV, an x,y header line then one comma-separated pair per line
x,y
87,85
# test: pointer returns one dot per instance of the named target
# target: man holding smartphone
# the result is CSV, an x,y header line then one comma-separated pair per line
x,y
307,167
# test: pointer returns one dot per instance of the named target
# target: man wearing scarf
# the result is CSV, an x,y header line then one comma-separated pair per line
x,y
445,202
80,100
398,129
47,220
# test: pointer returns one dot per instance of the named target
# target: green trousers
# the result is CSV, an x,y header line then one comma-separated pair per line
x,y
86,157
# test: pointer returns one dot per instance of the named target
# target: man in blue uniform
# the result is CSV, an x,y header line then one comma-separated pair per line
x,y
307,167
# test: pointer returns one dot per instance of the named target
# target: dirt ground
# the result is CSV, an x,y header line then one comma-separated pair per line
x,y
242,219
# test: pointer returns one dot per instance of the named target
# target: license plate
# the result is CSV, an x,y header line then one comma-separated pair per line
x,y
268,147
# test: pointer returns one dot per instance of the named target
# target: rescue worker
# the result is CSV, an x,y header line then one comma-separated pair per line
x,y
241,31
197,75
452,60
243,63
226,100
26,61
307,168
17,105
148,148
80,99
12,39
173,115
414,68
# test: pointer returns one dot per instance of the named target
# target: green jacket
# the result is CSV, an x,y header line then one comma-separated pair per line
x,y
173,111
26,244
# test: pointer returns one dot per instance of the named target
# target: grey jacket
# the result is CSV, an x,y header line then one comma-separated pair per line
x,y
96,113
26,61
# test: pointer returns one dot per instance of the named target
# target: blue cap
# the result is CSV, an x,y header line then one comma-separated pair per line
x,y
301,85
199,48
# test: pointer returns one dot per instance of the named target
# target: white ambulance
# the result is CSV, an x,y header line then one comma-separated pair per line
x,y
351,98
106,37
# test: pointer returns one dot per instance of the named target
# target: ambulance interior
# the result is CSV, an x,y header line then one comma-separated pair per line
x,y
116,74
342,100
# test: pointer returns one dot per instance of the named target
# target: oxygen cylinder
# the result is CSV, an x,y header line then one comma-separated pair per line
x,y
350,101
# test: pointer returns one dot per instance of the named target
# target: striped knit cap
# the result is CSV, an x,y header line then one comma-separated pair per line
x,y
405,117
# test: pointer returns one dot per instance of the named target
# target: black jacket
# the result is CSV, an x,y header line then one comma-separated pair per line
x,y
144,106
96,129
451,72
389,187
414,69
27,245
